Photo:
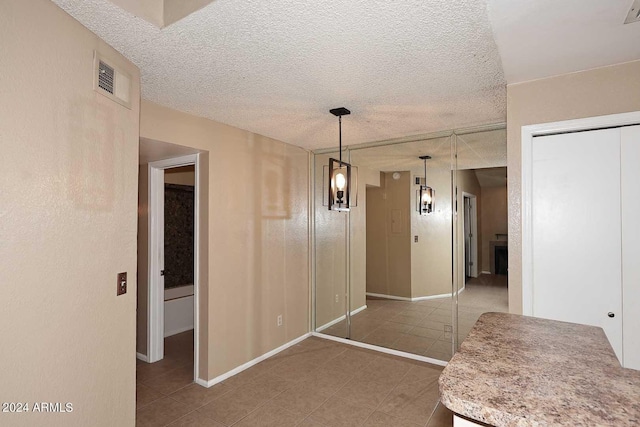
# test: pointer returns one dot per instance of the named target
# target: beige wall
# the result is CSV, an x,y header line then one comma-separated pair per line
x,y
184,175
330,250
388,236
68,209
431,256
467,182
358,238
493,220
257,190
602,91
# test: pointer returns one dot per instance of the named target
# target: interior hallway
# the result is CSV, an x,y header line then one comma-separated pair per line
x,y
419,326
314,383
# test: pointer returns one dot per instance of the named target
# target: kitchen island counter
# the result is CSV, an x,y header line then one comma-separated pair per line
x,y
515,370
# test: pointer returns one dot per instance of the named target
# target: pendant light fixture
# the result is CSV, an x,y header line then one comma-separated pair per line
x,y
426,194
339,173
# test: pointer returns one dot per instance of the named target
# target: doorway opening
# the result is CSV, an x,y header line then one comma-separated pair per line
x,y
173,236
169,257
470,230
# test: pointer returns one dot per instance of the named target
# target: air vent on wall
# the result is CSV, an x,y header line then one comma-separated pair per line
x,y
111,82
105,77
634,13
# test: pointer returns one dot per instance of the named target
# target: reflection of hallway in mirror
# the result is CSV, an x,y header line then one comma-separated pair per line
x,y
482,294
420,327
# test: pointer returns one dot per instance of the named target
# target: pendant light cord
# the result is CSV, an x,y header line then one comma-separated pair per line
x,y
340,139
425,172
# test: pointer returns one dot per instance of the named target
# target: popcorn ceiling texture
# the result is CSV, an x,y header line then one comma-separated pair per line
x,y
276,68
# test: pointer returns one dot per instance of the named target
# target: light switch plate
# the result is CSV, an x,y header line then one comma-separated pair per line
x,y
122,283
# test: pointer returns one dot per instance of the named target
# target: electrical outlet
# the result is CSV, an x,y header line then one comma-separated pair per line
x,y
337,298
280,320
448,331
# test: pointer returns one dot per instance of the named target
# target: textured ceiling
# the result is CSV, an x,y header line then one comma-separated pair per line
x,y
277,67
544,38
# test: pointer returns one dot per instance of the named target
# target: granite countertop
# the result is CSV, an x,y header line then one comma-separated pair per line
x,y
523,371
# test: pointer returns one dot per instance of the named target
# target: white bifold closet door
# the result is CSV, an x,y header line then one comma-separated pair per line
x,y
584,233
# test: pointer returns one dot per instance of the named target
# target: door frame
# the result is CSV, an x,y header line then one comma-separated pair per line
x,y
527,135
155,312
473,241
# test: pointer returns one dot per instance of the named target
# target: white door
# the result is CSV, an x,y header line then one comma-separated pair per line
x,y
576,230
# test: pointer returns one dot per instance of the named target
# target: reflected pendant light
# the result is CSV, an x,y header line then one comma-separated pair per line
x,y
426,194
339,173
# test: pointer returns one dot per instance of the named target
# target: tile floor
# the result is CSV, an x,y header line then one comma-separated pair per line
x,y
419,327
314,383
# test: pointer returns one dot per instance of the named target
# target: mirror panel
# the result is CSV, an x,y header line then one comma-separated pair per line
x,y
481,224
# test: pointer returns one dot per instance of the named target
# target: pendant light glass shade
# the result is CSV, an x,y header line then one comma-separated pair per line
x,y
339,185
426,197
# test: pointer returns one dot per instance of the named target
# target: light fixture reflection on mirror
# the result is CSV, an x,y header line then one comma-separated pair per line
x,y
339,173
426,194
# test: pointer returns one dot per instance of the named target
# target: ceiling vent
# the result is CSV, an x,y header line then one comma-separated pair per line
x,y
634,13
111,82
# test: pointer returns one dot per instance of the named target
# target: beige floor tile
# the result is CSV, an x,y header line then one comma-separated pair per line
x,y
302,399
271,384
437,355
336,412
387,369
413,401
423,372
397,327
294,370
328,378
365,392
425,332
441,347
160,413
381,337
270,415
413,343
146,395
147,371
309,422
235,405
196,396
171,381
380,419
352,360
432,324
442,417
195,419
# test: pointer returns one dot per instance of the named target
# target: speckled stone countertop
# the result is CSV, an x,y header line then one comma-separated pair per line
x,y
522,371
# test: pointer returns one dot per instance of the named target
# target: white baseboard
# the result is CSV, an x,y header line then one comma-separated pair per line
x,y
250,363
382,349
485,272
370,294
142,357
430,297
340,319
385,296
178,331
